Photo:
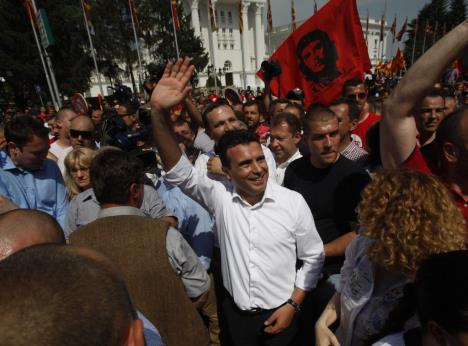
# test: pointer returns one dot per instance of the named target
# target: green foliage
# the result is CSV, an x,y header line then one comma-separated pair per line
x,y
113,41
439,17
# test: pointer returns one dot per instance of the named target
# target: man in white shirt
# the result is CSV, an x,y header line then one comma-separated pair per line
x,y
262,227
285,137
62,146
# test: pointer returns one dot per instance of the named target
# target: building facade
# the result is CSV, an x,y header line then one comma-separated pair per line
x,y
234,55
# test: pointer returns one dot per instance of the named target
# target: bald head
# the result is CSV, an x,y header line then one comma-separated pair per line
x,y
22,228
82,132
49,283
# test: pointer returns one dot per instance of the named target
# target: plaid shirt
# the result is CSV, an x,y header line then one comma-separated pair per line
x,y
354,153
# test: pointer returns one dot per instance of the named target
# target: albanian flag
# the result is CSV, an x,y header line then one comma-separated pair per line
x,y
324,52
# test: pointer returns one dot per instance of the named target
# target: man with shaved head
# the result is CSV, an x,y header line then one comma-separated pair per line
x,y
21,228
62,146
82,131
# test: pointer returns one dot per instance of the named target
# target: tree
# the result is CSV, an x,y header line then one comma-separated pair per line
x,y
433,21
21,65
158,34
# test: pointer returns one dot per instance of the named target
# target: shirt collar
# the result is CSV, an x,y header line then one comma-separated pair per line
x,y
119,211
7,163
295,156
269,195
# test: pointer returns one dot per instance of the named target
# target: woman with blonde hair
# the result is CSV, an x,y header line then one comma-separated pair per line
x,y
77,163
405,216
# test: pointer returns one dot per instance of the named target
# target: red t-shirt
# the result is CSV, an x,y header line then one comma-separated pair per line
x,y
416,162
362,127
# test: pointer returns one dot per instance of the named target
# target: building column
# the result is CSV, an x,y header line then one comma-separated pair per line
x,y
259,36
195,18
245,39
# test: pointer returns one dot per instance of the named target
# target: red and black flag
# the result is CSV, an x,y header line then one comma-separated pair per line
x,y
175,15
134,13
402,30
241,19
212,15
382,27
393,29
269,17
28,7
323,53
293,16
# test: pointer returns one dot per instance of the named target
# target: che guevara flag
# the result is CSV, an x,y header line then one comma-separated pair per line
x,y
324,52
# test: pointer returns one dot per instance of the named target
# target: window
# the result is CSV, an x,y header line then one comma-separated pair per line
x,y
230,18
232,46
225,46
223,18
230,31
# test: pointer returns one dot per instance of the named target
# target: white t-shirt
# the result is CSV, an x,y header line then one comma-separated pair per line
x,y
60,153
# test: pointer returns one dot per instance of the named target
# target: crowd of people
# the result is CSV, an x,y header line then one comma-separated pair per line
x,y
241,219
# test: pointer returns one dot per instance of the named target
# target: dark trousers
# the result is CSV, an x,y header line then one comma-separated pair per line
x,y
246,328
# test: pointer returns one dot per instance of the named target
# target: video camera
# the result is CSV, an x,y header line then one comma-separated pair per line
x,y
270,69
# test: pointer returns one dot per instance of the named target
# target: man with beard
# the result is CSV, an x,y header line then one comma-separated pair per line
x,y
254,116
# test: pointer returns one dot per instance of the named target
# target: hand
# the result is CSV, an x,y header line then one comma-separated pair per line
x,y
214,166
324,336
6,205
280,319
174,84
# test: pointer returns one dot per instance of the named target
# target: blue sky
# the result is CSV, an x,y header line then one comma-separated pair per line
x,y
281,9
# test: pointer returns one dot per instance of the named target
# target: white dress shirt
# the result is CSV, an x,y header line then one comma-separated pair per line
x,y
259,243
281,168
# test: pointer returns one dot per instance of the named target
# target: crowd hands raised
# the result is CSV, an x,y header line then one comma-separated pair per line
x,y
244,219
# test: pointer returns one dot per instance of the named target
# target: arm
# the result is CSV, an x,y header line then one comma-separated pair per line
x,y
172,88
62,199
185,263
398,128
193,111
323,334
338,246
267,98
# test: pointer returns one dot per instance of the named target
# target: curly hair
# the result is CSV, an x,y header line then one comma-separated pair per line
x,y
82,157
410,216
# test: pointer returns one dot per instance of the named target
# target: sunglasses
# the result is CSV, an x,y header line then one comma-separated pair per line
x,y
84,134
359,96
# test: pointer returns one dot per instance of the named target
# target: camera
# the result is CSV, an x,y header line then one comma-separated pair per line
x,y
270,69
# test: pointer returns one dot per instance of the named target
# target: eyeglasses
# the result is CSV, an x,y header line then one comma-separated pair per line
x,y
84,134
359,96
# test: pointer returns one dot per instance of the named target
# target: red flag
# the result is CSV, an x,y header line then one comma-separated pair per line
x,y
427,28
29,10
241,19
269,17
399,62
293,16
175,15
393,29
134,13
323,53
402,30
214,27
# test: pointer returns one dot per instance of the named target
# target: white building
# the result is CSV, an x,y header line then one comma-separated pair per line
x,y
236,55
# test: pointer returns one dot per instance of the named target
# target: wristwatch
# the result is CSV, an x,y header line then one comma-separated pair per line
x,y
297,307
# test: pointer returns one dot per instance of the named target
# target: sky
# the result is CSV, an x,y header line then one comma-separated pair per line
x,y
281,9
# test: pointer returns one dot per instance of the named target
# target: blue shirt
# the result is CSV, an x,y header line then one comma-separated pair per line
x,y
195,223
42,189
